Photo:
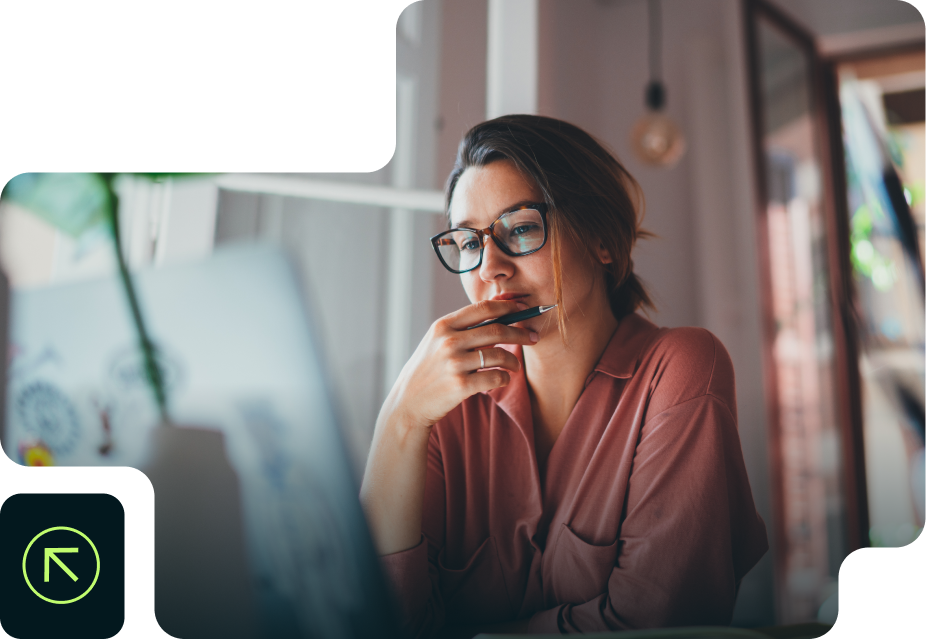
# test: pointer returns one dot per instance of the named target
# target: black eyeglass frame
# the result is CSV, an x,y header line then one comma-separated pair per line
x,y
540,207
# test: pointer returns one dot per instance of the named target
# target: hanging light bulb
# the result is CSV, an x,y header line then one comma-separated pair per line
x,y
655,138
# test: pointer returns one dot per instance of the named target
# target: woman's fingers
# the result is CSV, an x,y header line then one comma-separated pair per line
x,y
446,368
487,380
482,311
482,381
491,358
493,334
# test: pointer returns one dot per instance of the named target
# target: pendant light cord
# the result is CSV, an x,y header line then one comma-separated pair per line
x,y
655,91
655,41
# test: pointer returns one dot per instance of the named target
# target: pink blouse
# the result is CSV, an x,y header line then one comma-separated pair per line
x,y
645,517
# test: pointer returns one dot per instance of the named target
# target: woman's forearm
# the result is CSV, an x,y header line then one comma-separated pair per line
x,y
392,493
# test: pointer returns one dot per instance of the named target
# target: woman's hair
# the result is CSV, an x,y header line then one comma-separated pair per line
x,y
591,198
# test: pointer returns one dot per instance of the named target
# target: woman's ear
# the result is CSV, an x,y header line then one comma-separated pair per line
x,y
603,256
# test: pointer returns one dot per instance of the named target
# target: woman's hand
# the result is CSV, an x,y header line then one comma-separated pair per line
x,y
444,370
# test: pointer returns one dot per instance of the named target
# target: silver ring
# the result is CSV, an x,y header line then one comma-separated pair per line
x,y
482,360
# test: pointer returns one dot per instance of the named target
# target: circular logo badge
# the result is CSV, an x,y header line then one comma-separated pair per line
x,y
51,555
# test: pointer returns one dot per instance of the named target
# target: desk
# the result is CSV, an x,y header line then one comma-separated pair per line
x,y
798,631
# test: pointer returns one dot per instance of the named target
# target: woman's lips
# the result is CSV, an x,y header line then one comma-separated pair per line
x,y
505,297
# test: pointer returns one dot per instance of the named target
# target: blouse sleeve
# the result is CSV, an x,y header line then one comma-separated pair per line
x,y
413,574
690,531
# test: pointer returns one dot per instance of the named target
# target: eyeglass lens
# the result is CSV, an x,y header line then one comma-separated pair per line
x,y
520,231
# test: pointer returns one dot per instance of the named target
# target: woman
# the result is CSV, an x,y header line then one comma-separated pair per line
x,y
580,471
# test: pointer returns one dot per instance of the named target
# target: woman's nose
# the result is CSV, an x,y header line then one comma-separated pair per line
x,y
495,263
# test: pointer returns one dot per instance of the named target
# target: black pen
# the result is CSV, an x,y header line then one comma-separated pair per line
x,y
511,318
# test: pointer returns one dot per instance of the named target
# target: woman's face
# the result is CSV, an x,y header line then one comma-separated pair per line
x,y
481,195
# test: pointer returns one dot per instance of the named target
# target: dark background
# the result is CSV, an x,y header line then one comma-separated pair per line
x,y
101,612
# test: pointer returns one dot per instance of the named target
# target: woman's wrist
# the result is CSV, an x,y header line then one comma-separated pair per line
x,y
402,422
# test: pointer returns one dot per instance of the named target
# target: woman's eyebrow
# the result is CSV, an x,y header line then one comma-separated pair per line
x,y
510,207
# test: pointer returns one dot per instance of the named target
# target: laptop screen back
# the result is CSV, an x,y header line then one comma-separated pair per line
x,y
256,440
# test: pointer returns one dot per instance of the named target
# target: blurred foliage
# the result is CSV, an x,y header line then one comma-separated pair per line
x,y
71,202
915,192
866,260
76,204
159,177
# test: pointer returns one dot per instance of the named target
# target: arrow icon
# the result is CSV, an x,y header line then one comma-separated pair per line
x,y
50,554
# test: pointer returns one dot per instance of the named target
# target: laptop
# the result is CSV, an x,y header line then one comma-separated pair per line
x,y
258,525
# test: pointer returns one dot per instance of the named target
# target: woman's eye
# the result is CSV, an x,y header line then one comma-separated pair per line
x,y
470,245
523,229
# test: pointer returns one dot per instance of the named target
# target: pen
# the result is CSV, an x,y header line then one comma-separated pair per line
x,y
511,318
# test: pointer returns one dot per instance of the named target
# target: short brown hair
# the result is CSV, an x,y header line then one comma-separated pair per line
x,y
591,196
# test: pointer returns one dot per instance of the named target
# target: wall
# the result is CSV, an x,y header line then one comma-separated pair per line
x,y
462,104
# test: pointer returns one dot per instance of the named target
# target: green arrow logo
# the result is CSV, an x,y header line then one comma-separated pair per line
x,y
50,554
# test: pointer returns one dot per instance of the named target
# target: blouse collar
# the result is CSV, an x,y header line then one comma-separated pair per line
x,y
620,360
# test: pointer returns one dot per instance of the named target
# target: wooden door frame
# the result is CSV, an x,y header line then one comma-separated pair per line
x,y
828,145
845,303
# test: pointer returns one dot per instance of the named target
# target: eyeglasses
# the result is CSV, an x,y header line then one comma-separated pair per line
x,y
521,231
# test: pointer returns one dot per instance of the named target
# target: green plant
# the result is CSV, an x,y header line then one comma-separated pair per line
x,y
82,203
866,259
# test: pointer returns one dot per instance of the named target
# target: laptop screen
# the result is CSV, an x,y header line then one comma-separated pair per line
x,y
258,526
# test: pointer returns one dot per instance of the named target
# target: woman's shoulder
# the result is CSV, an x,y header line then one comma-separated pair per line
x,y
692,345
687,363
